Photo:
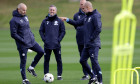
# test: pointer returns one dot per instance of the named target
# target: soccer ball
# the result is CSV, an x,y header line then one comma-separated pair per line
x,y
48,77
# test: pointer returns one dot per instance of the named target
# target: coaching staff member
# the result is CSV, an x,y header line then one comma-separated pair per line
x,y
24,38
52,31
80,36
92,27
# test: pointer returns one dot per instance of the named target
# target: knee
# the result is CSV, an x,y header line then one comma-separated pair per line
x,y
41,52
81,61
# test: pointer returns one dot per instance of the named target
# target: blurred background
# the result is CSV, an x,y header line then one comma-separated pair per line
x,y
37,11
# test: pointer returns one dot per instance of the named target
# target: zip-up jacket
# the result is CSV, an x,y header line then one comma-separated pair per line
x,y
79,29
52,31
92,27
20,31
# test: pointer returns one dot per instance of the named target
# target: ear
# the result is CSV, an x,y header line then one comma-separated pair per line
x,y
17,8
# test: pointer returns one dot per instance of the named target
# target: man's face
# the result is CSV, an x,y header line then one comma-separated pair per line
x,y
22,10
52,11
85,9
82,4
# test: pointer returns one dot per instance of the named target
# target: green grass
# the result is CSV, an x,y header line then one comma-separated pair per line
x,y
38,9
72,71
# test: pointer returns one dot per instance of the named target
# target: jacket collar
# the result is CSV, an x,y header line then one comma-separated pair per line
x,y
80,11
91,13
16,13
51,18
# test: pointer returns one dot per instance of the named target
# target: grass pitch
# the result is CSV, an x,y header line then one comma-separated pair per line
x,y
72,71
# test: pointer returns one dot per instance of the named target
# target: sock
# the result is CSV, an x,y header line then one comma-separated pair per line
x,y
25,80
30,67
59,76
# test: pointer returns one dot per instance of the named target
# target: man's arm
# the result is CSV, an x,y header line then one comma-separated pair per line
x,y
75,19
98,25
72,22
62,31
42,31
13,30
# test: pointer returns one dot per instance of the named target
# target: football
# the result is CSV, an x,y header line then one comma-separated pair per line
x,y
48,78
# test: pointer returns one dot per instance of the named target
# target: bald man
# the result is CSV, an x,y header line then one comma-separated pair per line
x,y
24,38
80,34
92,28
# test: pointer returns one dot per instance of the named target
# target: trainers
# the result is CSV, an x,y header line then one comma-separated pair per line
x,y
84,78
26,81
59,78
92,80
32,71
97,82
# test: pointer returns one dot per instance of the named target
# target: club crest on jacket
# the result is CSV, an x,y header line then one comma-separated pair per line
x,y
56,23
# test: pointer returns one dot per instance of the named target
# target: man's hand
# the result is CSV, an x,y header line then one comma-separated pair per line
x,y
63,18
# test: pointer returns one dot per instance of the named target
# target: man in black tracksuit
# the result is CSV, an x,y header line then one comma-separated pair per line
x,y
92,28
24,38
80,36
52,31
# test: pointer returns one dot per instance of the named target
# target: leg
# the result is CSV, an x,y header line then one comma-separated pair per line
x,y
80,48
23,58
38,56
94,59
57,53
47,55
93,66
83,61
37,48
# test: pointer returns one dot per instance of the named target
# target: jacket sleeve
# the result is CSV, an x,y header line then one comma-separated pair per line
x,y
74,18
76,23
13,31
42,31
98,25
61,31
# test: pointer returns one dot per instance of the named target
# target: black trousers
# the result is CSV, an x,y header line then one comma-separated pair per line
x,y
23,57
80,48
47,55
91,52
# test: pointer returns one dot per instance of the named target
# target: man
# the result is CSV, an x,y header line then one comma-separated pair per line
x,y
92,28
24,38
52,31
80,35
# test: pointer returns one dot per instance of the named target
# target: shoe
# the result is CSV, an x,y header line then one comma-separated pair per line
x,y
85,78
92,80
97,82
32,71
59,78
26,81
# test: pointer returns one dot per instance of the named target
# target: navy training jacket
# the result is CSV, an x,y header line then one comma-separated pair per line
x,y
20,31
52,31
92,27
79,29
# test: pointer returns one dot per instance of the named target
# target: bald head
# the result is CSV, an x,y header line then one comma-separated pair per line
x,y
82,2
22,9
88,4
87,7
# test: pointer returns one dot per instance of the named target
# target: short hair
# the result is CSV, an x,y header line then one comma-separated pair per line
x,y
53,6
